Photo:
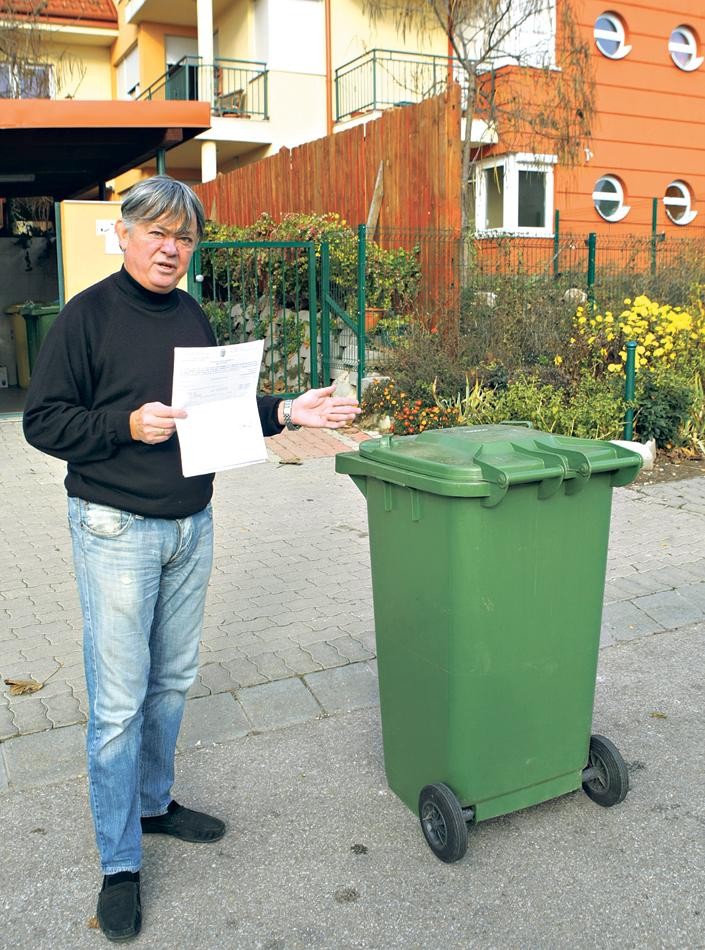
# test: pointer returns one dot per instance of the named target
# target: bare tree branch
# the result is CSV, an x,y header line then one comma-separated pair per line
x,y
498,45
31,66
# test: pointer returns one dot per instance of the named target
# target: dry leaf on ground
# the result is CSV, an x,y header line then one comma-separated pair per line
x,y
23,687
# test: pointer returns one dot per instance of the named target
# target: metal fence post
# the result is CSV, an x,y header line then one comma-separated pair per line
x,y
361,277
629,387
313,309
194,278
654,220
325,313
556,242
592,247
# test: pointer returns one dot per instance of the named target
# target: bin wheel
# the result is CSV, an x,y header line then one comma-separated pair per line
x,y
606,780
443,822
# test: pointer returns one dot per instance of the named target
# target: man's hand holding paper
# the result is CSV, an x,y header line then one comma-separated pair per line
x,y
217,386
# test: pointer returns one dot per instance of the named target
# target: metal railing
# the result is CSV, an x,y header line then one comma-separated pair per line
x,y
382,78
234,87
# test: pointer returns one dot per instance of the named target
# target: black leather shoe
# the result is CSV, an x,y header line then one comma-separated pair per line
x,y
119,907
185,824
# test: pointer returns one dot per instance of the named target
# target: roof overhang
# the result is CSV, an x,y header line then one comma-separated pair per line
x,y
62,148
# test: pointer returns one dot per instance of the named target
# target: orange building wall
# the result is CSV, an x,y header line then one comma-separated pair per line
x,y
650,124
153,49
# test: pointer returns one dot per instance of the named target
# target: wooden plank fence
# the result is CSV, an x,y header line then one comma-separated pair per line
x,y
420,148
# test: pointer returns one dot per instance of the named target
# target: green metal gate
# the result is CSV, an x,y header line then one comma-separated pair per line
x,y
306,300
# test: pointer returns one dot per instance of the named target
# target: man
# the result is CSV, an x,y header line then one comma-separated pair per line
x,y
142,533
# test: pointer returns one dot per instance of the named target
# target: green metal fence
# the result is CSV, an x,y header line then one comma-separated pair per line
x,y
305,302
511,296
457,269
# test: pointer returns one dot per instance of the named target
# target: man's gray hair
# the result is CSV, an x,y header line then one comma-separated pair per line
x,y
162,196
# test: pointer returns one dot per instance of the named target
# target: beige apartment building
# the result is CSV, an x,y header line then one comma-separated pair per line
x,y
273,72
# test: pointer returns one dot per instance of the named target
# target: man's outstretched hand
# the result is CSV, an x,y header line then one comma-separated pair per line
x,y
320,409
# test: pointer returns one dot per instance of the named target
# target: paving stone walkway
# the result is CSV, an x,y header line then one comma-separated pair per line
x,y
289,629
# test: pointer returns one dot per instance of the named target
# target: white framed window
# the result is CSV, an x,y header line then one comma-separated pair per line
x,y
28,81
609,200
514,194
128,75
610,36
678,201
683,47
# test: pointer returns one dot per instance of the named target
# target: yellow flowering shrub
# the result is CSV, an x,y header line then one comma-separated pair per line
x,y
665,336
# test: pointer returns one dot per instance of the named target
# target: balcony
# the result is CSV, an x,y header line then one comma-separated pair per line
x,y
234,87
382,78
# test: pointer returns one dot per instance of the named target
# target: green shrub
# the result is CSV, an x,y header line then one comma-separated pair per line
x,y
664,403
594,410
218,314
393,275
694,429
527,400
517,319
381,397
421,358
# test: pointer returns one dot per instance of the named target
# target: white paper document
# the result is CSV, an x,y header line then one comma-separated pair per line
x,y
217,386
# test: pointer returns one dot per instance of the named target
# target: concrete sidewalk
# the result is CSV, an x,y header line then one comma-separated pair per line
x,y
289,630
281,737
320,855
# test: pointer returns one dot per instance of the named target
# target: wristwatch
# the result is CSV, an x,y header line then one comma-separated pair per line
x,y
291,426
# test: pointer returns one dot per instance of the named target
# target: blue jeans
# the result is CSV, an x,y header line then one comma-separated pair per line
x,y
142,584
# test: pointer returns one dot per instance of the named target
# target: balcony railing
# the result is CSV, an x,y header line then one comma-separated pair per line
x,y
382,78
234,87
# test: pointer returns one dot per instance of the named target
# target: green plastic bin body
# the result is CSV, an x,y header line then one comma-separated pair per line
x,y
19,334
39,319
488,548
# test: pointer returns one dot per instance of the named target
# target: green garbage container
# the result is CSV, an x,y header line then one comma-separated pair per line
x,y
488,548
39,318
19,335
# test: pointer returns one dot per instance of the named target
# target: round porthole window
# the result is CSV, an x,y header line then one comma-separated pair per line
x,y
678,202
683,47
608,197
610,36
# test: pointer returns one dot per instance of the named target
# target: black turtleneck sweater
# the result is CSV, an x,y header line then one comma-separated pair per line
x,y
110,351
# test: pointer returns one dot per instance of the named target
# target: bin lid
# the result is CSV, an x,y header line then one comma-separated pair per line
x,y
484,461
31,309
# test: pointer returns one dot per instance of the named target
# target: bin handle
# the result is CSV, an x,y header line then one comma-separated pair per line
x,y
554,476
527,423
496,478
500,480
577,461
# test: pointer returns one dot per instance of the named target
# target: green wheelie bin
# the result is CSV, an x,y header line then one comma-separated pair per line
x,y
39,319
488,548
